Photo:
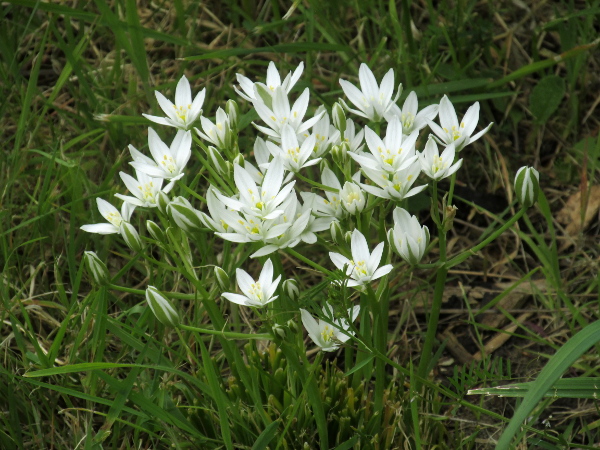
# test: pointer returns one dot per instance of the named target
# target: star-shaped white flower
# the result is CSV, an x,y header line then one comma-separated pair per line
x,y
396,186
218,133
184,112
144,189
328,335
168,162
110,213
411,118
453,132
293,155
435,166
280,114
273,81
395,152
363,267
256,293
372,100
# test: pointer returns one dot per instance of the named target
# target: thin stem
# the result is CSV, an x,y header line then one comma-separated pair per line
x,y
318,185
227,334
308,261
175,295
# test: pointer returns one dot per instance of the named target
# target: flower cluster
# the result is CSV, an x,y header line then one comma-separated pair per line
x,y
264,203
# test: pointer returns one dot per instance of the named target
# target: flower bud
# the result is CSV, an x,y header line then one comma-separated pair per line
x,y
156,232
161,307
222,278
337,234
339,154
348,237
97,269
239,160
184,215
162,201
527,186
339,117
290,287
323,164
131,236
279,330
233,112
293,325
217,160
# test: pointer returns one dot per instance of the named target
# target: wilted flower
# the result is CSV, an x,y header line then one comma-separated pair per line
x,y
372,100
257,293
363,267
329,335
184,112
435,166
408,238
527,186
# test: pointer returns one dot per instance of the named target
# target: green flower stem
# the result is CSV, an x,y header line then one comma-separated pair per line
x,y
171,295
464,255
380,317
315,184
227,334
313,264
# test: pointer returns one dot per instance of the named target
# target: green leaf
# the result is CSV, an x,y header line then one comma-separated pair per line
x,y
546,97
557,365
583,387
266,436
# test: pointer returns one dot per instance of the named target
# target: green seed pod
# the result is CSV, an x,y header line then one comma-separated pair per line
x,y
527,186
97,269
161,307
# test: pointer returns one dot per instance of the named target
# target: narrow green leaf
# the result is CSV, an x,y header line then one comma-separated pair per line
x,y
266,436
546,97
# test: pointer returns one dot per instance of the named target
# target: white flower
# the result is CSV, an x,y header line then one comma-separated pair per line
x,y
168,162
411,118
450,131
435,166
218,133
325,135
353,198
184,112
110,213
372,100
407,237
332,205
353,139
273,81
395,186
363,267
144,189
329,335
260,202
293,155
257,293
395,152
280,114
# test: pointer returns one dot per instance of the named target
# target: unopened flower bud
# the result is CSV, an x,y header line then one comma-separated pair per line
x,y
339,117
162,201
97,269
339,154
527,186
290,287
222,278
239,160
184,215
337,234
233,112
217,160
293,325
156,232
348,237
131,236
161,307
279,330
323,164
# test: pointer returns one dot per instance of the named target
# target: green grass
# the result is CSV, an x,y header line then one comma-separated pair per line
x,y
105,373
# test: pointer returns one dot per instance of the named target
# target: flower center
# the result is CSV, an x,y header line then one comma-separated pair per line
x,y
327,333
